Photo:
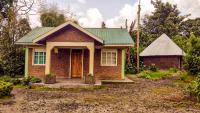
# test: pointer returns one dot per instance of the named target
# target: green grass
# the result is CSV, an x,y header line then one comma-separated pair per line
x,y
155,75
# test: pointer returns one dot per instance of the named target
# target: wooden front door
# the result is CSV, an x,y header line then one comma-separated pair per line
x,y
76,63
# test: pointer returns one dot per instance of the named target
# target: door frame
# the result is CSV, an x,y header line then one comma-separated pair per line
x,y
70,76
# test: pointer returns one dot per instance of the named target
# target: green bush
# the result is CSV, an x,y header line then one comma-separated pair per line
x,y
194,87
153,68
173,70
26,81
30,79
14,81
131,69
50,79
183,76
5,88
193,56
34,79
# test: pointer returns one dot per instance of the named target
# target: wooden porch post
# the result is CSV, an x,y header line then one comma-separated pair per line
x,y
48,59
91,60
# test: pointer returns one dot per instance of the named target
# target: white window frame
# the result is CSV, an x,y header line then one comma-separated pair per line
x,y
33,56
109,50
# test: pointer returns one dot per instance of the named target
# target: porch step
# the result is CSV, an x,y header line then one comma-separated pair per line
x,y
125,81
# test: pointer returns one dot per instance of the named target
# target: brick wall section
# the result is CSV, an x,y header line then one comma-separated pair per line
x,y
34,70
60,63
86,62
163,62
69,34
107,72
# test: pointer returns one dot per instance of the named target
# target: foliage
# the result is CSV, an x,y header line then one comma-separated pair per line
x,y
165,19
193,56
173,70
50,79
52,19
26,81
194,87
14,81
5,88
4,7
190,26
30,79
181,41
12,55
155,75
34,79
131,69
184,76
153,68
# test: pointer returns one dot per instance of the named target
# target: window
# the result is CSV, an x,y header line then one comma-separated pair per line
x,y
109,58
39,57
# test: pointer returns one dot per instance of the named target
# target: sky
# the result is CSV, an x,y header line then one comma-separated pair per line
x,y
91,13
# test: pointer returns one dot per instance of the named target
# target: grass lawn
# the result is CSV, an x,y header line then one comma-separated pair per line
x,y
157,74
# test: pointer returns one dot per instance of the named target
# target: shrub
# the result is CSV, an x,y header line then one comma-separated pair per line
x,y
14,81
153,68
194,87
183,76
26,81
193,56
34,79
50,79
173,70
131,69
5,88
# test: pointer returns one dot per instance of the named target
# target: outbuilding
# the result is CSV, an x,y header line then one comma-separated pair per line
x,y
163,53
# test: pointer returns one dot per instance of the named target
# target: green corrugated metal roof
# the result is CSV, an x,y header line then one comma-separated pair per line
x,y
28,38
109,35
112,35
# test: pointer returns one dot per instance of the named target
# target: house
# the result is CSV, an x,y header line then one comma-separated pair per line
x,y
70,51
163,53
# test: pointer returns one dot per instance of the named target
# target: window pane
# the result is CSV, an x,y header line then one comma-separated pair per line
x,y
114,58
104,58
109,58
44,57
36,58
41,58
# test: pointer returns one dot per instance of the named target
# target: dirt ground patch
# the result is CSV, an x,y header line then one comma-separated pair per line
x,y
144,96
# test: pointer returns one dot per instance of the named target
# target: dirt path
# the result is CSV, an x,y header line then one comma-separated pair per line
x,y
144,96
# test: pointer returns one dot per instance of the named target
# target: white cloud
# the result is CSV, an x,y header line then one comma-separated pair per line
x,y
93,18
34,21
82,1
130,12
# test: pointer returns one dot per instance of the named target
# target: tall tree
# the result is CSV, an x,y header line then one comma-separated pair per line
x,y
190,26
51,18
165,19
11,55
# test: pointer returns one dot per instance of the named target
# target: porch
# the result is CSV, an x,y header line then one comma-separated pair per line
x,y
69,60
77,83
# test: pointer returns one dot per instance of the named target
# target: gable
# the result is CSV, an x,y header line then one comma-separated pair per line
x,y
58,29
68,34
